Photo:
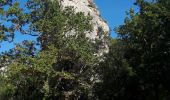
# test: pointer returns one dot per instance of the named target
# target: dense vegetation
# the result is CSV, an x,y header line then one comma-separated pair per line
x,y
65,66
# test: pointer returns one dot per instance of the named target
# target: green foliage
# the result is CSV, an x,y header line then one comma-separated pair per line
x,y
27,74
137,65
9,12
114,72
63,66
146,35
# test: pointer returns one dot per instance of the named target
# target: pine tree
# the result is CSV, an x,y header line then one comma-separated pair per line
x,y
62,67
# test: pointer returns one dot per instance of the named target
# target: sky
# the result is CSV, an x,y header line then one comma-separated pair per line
x,y
113,11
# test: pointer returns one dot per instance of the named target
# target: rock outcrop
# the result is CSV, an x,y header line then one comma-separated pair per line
x,y
100,27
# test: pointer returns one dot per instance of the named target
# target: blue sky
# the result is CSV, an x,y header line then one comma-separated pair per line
x,y
113,11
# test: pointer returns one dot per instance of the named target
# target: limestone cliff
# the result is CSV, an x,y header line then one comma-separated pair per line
x,y
100,27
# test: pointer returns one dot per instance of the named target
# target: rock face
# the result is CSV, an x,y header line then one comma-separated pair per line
x,y
100,27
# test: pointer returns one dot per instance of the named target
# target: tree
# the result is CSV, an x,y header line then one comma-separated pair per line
x,y
137,65
146,35
63,66
10,19
114,73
